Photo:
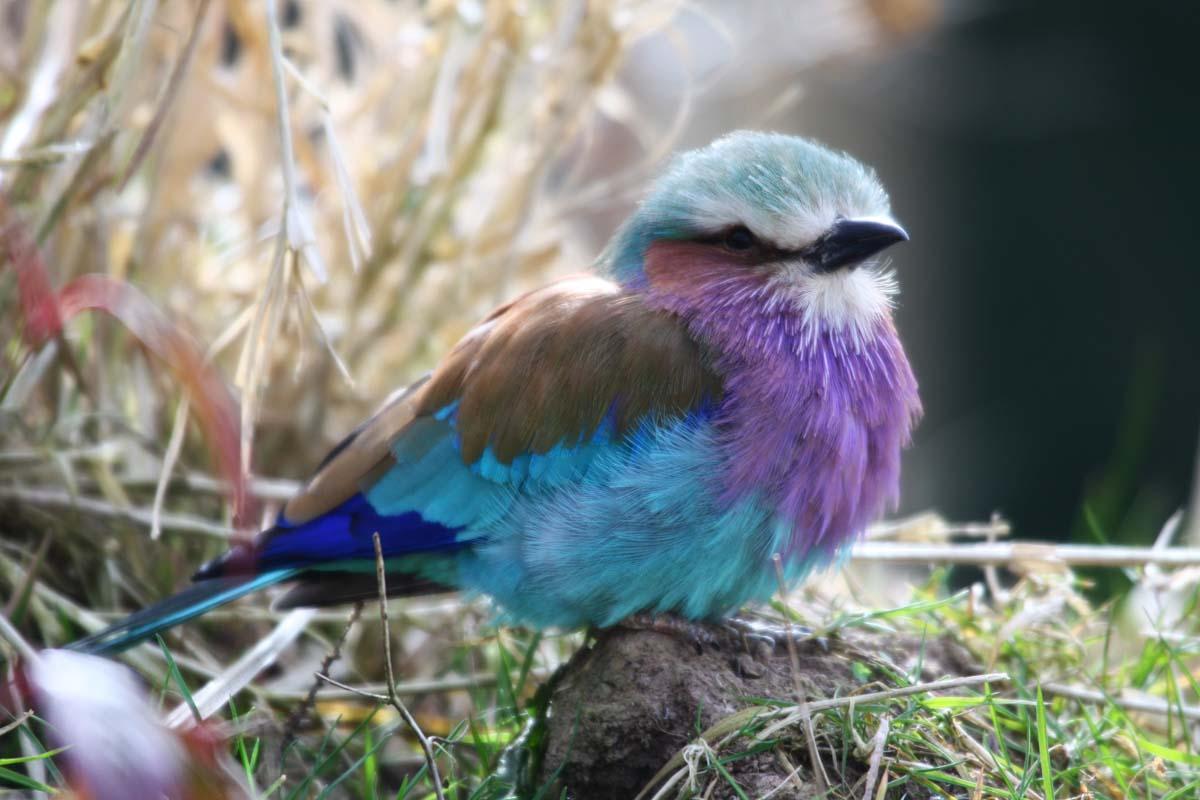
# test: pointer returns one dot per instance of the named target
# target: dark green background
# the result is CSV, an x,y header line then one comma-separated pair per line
x,y
1044,158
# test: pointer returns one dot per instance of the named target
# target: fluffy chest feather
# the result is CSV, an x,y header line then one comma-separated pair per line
x,y
815,413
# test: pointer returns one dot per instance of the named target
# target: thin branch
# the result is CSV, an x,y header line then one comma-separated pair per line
x,y
392,696
354,690
216,693
280,489
1007,553
10,634
16,723
457,683
53,498
1151,705
876,762
297,716
170,458
929,525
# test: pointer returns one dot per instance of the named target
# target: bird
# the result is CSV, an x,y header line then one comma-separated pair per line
x,y
725,390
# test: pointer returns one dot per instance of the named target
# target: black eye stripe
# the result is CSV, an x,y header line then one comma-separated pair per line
x,y
741,240
735,237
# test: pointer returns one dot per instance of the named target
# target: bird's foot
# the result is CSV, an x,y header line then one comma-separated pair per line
x,y
758,637
700,634
771,633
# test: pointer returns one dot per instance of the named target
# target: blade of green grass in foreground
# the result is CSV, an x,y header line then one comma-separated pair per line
x,y
1044,748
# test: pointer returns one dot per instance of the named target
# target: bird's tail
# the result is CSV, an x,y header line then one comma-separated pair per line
x,y
191,602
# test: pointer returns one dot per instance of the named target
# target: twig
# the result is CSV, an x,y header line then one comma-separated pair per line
x,y
216,693
170,457
474,680
393,698
876,762
1150,705
53,498
1005,553
354,690
976,749
930,525
262,488
810,736
297,716
792,777
667,786
16,723
13,636
991,576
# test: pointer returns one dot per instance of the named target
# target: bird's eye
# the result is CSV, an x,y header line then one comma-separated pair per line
x,y
740,238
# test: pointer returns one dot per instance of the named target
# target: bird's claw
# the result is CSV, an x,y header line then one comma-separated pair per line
x,y
755,635
772,634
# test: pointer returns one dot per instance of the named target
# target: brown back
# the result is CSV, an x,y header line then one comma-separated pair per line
x,y
543,369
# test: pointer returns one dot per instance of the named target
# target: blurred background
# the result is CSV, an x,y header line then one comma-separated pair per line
x,y
1042,156
441,156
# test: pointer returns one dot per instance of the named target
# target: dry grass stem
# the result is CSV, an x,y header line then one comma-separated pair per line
x,y
814,754
355,691
215,694
1025,552
15,640
170,457
876,762
1147,705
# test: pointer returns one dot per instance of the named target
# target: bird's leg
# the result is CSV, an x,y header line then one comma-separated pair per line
x,y
698,633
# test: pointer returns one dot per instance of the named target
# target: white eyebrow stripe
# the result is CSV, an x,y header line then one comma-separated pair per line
x,y
791,228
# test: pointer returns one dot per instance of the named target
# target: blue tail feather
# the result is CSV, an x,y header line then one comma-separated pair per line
x,y
189,603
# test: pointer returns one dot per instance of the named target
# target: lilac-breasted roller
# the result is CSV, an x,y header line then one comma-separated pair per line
x,y
730,386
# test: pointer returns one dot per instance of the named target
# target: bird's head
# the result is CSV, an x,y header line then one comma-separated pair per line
x,y
765,223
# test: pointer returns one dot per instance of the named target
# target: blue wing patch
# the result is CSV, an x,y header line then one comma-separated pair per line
x,y
347,533
430,478
429,500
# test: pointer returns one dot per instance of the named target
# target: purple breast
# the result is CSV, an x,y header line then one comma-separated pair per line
x,y
813,419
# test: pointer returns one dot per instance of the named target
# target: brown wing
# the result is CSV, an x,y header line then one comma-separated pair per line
x,y
357,459
544,369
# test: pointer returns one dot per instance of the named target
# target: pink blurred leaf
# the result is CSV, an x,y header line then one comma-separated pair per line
x,y
38,304
46,313
215,406
116,745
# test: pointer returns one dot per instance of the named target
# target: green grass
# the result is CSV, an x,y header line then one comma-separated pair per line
x,y
1024,738
1028,737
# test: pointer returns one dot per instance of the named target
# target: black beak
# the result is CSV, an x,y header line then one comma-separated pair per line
x,y
851,241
